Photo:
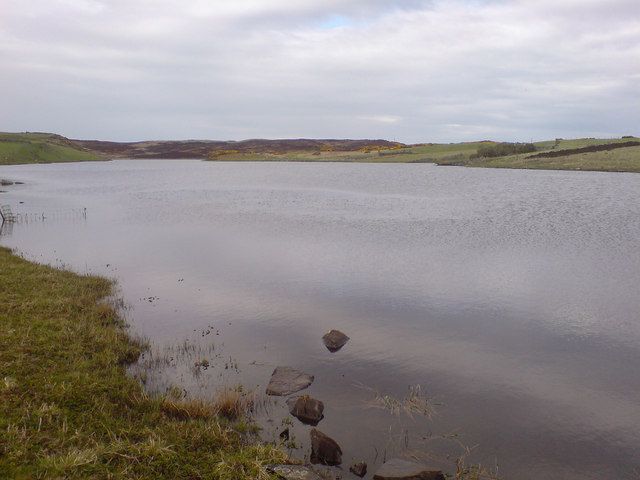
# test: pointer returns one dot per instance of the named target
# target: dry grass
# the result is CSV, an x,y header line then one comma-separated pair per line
x,y
473,471
188,409
415,402
232,403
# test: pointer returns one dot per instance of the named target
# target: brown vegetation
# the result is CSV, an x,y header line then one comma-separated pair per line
x,y
231,403
215,149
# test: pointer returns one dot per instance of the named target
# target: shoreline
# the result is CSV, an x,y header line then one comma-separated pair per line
x,y
435,163
68,409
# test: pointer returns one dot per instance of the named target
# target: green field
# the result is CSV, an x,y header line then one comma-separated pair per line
x,y
18,148
617,160
566,144
460,154
422,153
621,160
69,410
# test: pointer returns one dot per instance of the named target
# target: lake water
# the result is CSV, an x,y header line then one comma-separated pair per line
x,y
511,297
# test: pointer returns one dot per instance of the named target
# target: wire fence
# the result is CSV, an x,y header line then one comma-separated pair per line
x,y
29,217
33,216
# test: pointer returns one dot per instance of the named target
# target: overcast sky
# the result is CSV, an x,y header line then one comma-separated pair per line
x,y
406,70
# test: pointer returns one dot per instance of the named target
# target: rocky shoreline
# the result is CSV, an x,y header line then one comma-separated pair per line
x,y
286,381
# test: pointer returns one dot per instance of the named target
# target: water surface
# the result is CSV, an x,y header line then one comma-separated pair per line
x,y
512,297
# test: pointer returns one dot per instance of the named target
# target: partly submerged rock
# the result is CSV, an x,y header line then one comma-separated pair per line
x,y
306,409
334,340
330,473
287,380
399,469
324,449
293,472
359,469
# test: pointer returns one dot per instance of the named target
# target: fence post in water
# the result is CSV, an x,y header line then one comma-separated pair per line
x,y
6,214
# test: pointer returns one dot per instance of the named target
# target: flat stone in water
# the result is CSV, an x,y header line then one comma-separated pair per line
x,y
287,380
306,409
334,340
324,449
399,469
293,472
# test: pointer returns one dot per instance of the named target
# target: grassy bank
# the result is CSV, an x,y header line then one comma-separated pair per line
x,y
617,160
67,407
20,148
622,160
423,153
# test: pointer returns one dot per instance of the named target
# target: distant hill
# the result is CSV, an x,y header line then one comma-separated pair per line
x,y
211,149
598,154
38,147
42,148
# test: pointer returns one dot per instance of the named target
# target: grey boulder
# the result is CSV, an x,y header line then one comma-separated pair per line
x,y
324,449
306,409
399,469
334,340
287,380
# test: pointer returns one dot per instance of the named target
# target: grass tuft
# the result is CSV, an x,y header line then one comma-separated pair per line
x,y
188,409
230,403
234,403
415,402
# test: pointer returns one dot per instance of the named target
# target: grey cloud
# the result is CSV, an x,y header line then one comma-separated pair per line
x,y
411,71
